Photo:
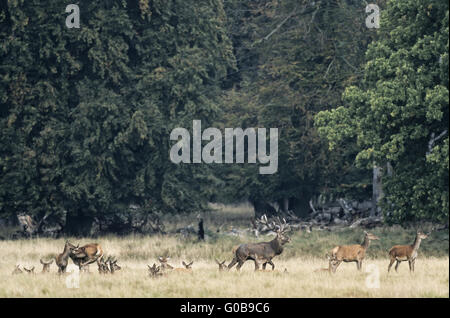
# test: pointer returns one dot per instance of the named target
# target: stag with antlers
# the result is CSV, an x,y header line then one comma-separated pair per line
x,y
263,252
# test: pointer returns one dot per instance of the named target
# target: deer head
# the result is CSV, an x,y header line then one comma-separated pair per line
x,y
113,265
370,236
154,271
422,235
164,264
29,271
188,266
222,266
46,265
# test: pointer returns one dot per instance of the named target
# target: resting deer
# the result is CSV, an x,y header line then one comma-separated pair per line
x,y
222,266
113,267
29,271
46,265
165,266
103,266
63,259
262,252
155,271
186,269
350,253
85,255
17,270
408,253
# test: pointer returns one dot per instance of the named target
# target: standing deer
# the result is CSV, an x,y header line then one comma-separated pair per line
x,y
350,253
408,253
263,252
63,259
85,255
46,265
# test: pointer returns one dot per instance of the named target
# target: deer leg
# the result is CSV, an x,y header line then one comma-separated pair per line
x,y
396,266
272,264
390,264
413,263
410,262
239,265
257,265
233,262
264,266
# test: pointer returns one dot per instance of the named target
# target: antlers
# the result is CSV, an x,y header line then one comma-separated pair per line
x,y
275,225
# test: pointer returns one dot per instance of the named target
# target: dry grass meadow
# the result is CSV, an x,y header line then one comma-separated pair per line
x,y
301,257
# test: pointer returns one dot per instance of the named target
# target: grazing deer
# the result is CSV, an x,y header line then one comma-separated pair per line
x,y
29,271
408,253
222,266
63,259
350,253
46,265
87,254
17,270
262,252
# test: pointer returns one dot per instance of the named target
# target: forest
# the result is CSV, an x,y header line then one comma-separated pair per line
x,y
86,113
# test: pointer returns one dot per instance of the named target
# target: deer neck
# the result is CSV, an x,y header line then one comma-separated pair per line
x,y
276,245
365,244
416,243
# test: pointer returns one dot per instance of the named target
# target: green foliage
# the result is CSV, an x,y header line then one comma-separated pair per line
x,y
400,108
86,113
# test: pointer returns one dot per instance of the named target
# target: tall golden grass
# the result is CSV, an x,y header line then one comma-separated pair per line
x,y
431,278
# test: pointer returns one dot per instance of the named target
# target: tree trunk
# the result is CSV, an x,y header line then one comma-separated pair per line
x,y
377,190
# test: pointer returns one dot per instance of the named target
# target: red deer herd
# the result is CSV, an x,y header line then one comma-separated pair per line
x,y
260,253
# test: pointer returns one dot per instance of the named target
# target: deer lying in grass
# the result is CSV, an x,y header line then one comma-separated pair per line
x,y
408,253
63,259
109,265
46,265
165,266
222,266
29,271
186,269
350,253
263,252
155,271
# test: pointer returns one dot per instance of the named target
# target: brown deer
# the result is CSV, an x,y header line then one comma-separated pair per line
x,y
17,270
63,259
103,266
263,252
186,269
155,271
222,266
85,255
165,266
113,267
29,271
46,265
350,253
408,253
